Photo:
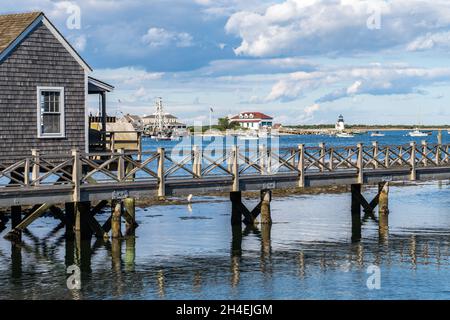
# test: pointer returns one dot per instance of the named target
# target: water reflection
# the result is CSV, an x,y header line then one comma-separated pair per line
x,y
296,257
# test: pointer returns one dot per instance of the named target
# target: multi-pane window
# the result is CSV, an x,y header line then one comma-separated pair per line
x,y
50,112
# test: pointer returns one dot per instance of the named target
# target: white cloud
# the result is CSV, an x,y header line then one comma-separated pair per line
x,y
430,41
374,80
160,37
333,26
127,76
80,43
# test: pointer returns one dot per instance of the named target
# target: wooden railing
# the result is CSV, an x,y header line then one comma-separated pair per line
x,y
81,169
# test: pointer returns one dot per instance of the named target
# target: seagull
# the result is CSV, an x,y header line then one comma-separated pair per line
x,y
189,198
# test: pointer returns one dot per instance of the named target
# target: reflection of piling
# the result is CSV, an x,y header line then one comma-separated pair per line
x,y
266,245
116,252
161,283
301,264
130,253
16,261
235,272
236,243
356,213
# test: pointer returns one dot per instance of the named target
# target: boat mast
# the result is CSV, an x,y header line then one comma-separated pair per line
x,y
159,117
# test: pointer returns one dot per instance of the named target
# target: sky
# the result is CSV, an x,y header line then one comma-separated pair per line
x,y
300,61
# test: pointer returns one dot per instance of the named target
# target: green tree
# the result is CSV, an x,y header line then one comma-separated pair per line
x,y
225,124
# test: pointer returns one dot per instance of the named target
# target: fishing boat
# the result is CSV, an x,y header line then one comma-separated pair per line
x,y
377,134
344,135
417,133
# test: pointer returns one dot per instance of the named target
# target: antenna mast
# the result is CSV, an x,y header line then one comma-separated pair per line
x,y
160,122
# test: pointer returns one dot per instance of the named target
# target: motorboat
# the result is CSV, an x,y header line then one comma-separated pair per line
x,y
377,134
417,133
344,135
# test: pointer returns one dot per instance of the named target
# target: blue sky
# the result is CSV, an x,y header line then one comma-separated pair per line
x,y
302,61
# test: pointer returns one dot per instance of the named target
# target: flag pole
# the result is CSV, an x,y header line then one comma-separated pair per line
x,y
210,118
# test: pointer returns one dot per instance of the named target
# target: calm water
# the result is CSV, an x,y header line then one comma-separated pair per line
x,y
191,252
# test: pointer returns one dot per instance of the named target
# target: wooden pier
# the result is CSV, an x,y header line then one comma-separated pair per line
x,y
85,183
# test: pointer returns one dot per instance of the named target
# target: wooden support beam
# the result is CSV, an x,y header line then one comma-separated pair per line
x,y
57,213
14,234
98,207
107,225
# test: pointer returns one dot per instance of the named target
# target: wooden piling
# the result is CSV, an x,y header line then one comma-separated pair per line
x,y
82,211
236,214
16,219
356,212
116,219
383,212
383,202
266,198
130,208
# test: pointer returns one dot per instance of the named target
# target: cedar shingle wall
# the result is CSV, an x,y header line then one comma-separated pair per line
x,y
39,61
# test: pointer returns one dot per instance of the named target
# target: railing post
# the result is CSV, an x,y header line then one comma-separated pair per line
x,y
112,142
197,161
35,170
301,165
263,158
121,165
386,158
360,164
26,172
412,161
375,154
322,157
438,154
424,151
235,168
76,175
331,159
161,176
139,146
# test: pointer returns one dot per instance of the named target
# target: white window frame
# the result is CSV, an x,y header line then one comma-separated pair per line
x,y
62,126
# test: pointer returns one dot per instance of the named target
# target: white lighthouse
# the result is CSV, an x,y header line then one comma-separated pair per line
x,y
340,126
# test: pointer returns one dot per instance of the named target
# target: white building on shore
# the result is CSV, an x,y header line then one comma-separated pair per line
x,y
253,120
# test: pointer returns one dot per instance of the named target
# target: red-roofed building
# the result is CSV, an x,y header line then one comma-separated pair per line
x,y
253,120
